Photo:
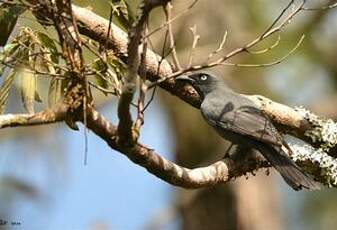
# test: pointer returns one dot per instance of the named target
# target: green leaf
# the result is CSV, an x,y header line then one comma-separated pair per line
x,y
10,48
103,81
99,65
4,90
131,11
55,91
101,68
2,66
28,89
2,69
22,55
123,13
8,17
37,97
50,46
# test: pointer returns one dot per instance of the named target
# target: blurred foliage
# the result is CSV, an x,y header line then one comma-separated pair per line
x,y
319,210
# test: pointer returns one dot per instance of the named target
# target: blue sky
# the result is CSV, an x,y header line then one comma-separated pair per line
x,y
110,189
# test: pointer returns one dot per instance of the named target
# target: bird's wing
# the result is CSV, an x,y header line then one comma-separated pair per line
x,y
249,121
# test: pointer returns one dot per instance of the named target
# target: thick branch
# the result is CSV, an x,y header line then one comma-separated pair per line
x,y
136,35
219,172
130,80
316,162
299,122
288,119
55,114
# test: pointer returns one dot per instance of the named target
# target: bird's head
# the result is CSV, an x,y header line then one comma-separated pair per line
x,y
202,82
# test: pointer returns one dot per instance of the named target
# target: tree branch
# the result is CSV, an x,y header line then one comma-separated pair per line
x,y
318,163
55,114
219,172
287,119
136,34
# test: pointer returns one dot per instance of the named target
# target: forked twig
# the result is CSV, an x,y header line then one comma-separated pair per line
x,y
221,45
267,33
271,63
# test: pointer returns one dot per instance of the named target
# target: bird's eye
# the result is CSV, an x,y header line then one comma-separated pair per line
x,y
203,77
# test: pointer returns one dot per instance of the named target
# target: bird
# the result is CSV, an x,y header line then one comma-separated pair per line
x,y
239,120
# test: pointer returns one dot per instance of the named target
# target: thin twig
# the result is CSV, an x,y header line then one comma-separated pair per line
x,y
103,90
196,38
271,63
162,58
172,19
221,45
168,13
272,46
278,18
142,91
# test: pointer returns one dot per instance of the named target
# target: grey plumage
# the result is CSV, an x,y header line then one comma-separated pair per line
x,y
240,121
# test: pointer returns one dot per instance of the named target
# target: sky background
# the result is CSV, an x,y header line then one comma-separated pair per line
x,y
109,189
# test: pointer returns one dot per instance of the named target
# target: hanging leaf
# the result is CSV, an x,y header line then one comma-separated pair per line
x,y
131,12
4,90
117,66
2,69
50,46
10,48
123,13
28,89
101,68
55,91
103,82
99,65
2,66
22,55
37,97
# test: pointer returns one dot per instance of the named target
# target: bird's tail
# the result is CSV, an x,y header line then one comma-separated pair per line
x,y
291,173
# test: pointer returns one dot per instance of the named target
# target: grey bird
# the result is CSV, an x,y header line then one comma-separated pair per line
x,y
239,120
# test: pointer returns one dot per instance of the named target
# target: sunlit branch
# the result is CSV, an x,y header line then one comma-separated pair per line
x,y
55,114
219,172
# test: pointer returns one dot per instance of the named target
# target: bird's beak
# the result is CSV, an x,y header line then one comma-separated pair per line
x,y
185,78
